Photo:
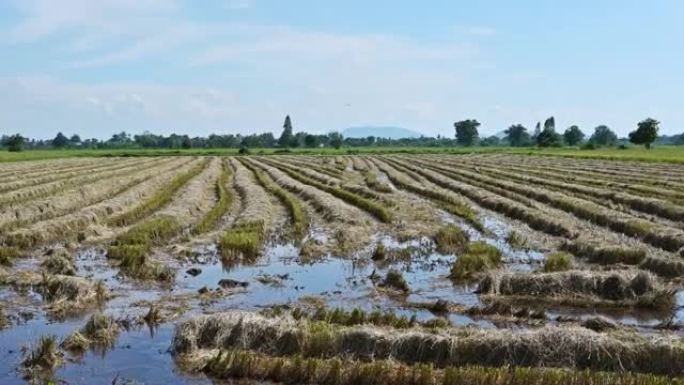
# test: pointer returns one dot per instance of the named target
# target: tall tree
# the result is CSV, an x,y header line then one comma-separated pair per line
x,y
573,136
286,138
646,132
60,141
548,137
466,132
75,140
603,136
335,139
15,143
550,123
517,135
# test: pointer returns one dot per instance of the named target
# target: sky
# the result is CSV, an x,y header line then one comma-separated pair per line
x,y
94,68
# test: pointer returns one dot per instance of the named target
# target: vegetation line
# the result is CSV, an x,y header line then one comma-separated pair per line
x,y
161,198
223,201
300,222
371,207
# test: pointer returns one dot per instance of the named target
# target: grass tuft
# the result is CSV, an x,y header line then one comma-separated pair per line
x,y
478,258
242,241
8,255
451,239
558,261
45,355
395,280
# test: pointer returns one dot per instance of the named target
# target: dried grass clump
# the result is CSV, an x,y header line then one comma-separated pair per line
x,y
45,355
451,239
395,280
70,294
8,255
561,347
478,258
58,264
242,241
558,261
244,365
379,253
578,287
609,255
515,239
159,199
100,331
132,248
223,201
372,181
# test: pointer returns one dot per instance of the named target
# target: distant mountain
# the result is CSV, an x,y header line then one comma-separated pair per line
x,y
380,132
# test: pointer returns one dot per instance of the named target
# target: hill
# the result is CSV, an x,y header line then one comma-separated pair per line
x,y
380,132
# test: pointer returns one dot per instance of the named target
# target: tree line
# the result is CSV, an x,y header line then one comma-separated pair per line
x,y
466,134
517,135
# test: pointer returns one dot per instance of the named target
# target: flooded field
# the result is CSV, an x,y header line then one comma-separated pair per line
x,y
402,269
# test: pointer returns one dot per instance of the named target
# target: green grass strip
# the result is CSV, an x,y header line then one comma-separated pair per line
x,y
241,364
300,221
223,201
243,240
161,198
367,205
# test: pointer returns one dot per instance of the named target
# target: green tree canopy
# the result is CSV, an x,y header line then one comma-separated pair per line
x,y
15,143
548,137
286,138
517,135
60,141
603,136
646,132
310,141
466,132
573,136
335,139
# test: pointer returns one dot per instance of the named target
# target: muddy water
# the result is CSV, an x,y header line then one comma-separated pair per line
x,y
280,277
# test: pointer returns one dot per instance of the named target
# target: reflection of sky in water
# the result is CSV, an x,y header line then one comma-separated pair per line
x,y
341,282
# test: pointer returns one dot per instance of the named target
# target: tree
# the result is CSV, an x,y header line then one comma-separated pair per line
x,y
60,141
75,140
466,132
517,135
573,136
335,139
15,143
310,141
548,136
603,136
186,143
646,132
490,141
286,138
537,131
550,123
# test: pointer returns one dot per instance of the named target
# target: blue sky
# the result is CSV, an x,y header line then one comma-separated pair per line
x,y
212,66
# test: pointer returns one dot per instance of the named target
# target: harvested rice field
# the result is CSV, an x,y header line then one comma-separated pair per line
x,y
350,269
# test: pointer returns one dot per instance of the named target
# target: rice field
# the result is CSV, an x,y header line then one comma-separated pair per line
x,y
484,268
